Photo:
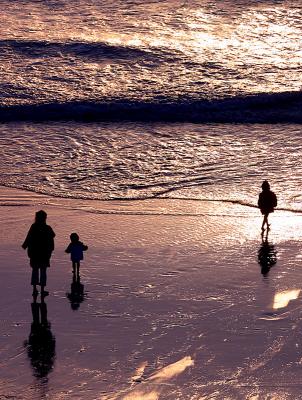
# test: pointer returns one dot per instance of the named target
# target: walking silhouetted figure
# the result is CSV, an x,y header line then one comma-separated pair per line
x,y
39,243
267,202
76,249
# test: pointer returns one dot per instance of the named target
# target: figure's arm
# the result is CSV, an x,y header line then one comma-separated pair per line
x,y
275,200
51,239
68,250
27,239
85,247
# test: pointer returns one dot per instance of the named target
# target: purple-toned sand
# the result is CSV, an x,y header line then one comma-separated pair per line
x,y
178,300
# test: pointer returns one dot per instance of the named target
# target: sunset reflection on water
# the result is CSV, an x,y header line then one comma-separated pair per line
x,y
186,49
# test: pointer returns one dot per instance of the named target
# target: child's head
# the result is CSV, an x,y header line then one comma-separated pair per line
x,y
74,237
265,185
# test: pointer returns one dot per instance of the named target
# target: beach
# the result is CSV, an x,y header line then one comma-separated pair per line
x,y
148,128
175,304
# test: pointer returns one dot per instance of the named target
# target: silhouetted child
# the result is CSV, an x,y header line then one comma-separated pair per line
x,y
39,243
76,248
267,202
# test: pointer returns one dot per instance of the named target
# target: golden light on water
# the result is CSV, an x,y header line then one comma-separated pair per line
x,y
140,395
285,226
150,389
139,371
282,299
271,42
172,370
229,53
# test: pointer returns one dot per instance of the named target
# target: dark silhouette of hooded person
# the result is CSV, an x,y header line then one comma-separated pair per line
x,y
267,201
39,243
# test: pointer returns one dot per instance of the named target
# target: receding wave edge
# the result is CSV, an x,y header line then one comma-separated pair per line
x,y
15,202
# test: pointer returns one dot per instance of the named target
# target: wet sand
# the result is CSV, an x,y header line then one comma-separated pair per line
x,y
174,303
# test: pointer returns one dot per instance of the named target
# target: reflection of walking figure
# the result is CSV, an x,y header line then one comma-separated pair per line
x,y
76,295
267,256
267,202
76,249
39,243
41,342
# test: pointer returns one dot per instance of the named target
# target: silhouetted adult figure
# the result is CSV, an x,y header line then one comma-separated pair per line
x,y
267,256
41,342
267,201
39,243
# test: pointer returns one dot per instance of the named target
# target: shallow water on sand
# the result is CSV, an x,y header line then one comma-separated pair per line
x,y
142,161
172,307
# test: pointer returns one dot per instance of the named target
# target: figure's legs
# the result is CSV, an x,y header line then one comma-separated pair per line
x,y
35,280
74,269
78,270
265,221
35,291
44,292
43,279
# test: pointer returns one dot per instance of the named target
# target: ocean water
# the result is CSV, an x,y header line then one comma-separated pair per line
x,y
129,161
113,94
222,61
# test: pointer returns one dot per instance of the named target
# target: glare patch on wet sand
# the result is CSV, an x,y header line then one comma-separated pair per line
x,y
150,389
282,299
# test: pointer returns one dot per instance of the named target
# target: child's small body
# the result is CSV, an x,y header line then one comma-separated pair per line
x,y
76,249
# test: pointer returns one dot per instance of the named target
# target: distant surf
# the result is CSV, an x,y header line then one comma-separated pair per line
x,y
270,108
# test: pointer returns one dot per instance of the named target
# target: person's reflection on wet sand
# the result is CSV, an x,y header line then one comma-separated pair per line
x,y
76,295
267,255
41,343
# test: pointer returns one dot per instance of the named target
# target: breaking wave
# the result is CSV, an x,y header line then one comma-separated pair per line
x,y
261,108
91,50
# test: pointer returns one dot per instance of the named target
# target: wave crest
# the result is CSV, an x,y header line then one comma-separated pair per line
x,y
262,108
92,50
